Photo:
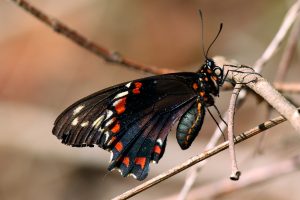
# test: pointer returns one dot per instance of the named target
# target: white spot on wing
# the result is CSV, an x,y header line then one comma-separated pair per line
x,y
98,121
75,121
122,94
133,175
101,130
159,141
116,102
109,122
110,142
78,109
111,156
84,124
120,171
128,85
109,113
153,161
106,136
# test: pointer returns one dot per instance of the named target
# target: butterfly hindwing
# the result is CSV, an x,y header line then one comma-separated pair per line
x,y
147,145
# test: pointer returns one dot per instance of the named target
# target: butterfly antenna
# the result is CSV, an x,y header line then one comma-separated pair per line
x,y
217,123
202,33
221,27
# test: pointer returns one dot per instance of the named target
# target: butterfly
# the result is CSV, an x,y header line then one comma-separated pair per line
x,y
133,119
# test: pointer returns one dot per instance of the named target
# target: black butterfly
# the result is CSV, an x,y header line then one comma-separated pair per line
x,y
132,120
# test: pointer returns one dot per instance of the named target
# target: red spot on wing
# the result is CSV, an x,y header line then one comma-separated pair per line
x,y
157,149
116,128
119,146
202,94
140,161
120,107
136,91
137,85
126,161
195,86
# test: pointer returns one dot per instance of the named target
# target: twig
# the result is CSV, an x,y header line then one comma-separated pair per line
x,y
288,53
192,161
289,19
259,148
235,173
107,55
263,88
110,56
288,87
189,181
281,87
253,177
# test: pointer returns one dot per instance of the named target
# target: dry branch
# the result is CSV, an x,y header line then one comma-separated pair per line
x,y
288,87
195,170
196,159
288,21
235,173
288,110
288,53
253,177
281,87
107,55
263,88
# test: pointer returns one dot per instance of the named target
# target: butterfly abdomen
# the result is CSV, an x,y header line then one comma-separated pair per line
x,y
189,125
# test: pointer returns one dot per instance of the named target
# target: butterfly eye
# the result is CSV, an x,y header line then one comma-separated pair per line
x,y
218,71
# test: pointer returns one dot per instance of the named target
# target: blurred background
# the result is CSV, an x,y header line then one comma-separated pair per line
x,y
42,72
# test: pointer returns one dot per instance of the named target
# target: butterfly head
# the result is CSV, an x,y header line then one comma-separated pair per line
x,y
211,76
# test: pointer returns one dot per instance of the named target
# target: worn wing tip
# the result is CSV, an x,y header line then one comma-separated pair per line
x,y
128,168
137,175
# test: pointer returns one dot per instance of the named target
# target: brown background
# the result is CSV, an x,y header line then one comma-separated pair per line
x,y
42,72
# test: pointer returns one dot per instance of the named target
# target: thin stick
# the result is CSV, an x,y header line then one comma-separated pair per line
x,y
288,53
289,19
235,173
259,147
253,177
191,177
287,87
281,87
107,55
263,88
196,159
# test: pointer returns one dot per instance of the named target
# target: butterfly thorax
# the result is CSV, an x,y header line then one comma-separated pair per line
x,y
209,81
210,78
